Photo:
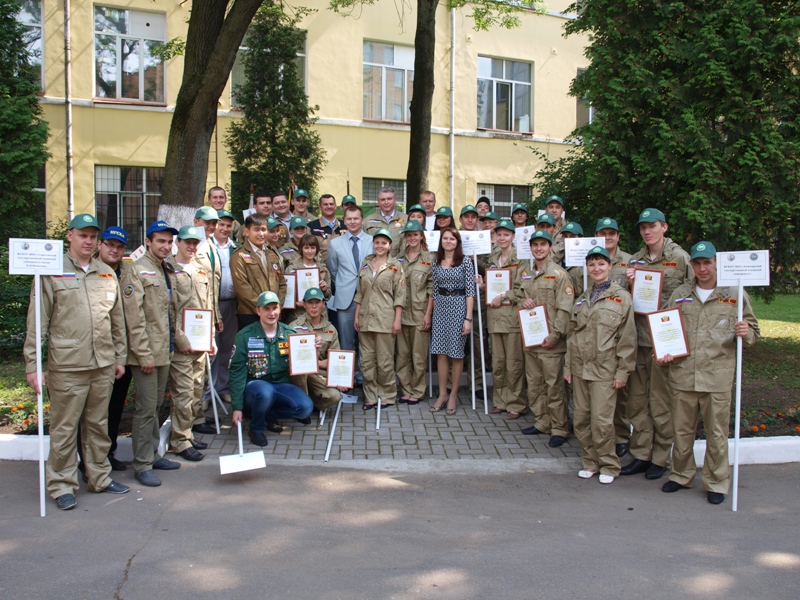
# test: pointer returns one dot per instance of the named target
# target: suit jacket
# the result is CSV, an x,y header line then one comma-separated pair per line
x,y
344,273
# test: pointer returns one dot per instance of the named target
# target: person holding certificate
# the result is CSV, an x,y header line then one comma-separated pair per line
x,y
260,381
308,257
601,354
414,339
508,363
649,395
701,382
574,230
379,300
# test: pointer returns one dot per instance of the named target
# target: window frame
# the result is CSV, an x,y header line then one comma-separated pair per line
x,y
513,83
490,191
39,25
376,183
583,106
407,72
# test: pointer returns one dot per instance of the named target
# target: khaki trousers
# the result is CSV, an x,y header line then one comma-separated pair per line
x,y
78,397
200,383
413,346
649,410
150,390
595,402
377,365
187,394
322,396
508,372
622,424
547,393
716,411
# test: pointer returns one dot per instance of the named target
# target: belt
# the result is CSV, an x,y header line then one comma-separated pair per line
x,y
444,292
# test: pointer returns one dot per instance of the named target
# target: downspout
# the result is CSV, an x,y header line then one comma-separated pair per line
x,y
452,173
68,107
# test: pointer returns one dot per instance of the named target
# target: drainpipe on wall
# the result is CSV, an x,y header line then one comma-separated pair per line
x,y
452,174
68,107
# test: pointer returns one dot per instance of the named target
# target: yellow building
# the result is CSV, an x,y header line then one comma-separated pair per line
x,y
510,93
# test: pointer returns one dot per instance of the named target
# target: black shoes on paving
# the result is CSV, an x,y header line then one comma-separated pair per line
x,y
635,467
655,472
66,502
191,454
622,449
166,465
116,465
716,498
671,487
148,478
258,438
204,428
556,441
532,431
116,488
198,445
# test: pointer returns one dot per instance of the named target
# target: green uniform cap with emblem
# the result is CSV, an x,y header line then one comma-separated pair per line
x,y
573,228
348,199
417,208
546,218
412,226
541,234
520,206
313,294
272,223
598,251
301,193
382,232
469,209
189,232
224,214
554,199
703,250
207,213
652,215
506,224
491,215
265,298
606,223
297,222
444,211
83,221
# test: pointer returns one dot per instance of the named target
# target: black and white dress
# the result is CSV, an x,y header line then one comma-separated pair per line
x,y
449,312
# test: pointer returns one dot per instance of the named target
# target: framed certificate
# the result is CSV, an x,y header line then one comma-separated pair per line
x,y
341,368
198,326
303,354
307,278
646,290
533,325
667,333
498,281
291,284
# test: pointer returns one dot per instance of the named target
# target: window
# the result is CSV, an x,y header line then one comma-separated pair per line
x,y
504,95
370,187
30,15
388,82
126,66
584,111
504,197
128,197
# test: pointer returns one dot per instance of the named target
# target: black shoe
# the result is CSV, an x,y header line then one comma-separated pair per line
x,y
166,465
637,466
212,422
655,472
716,498
307,420
198,445
116,465
532,431
191,454
258,438
622,449
117,488
671,487
204,428
556,441
274,427
82,469
66,502
148,478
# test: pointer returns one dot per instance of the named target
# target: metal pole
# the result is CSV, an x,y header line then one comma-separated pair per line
x,y
37,292
333,430
213,392
68,108
378,418
452,168
739,317
480,338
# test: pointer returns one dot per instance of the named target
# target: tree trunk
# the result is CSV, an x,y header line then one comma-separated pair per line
x,y
422,103
212,41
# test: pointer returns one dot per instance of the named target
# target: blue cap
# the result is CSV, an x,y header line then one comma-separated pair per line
x,y
115,233
157,226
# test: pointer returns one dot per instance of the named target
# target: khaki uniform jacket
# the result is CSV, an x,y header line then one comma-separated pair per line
x,y
208,257
674,261
288,252
250,277
557,249
504,319
378,294
328,333
148,310
419,287
551,287
296,264
601,344
83,314
619,265
576,275
192,289
711,364
395,227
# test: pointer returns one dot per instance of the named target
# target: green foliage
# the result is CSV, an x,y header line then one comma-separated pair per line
x,y
274,143
169,49
696,107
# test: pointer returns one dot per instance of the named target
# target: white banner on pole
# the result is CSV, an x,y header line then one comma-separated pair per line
x,y
576,249
522,241
476,242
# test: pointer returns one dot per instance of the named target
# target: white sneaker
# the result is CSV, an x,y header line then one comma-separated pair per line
x,y
606,478
587,474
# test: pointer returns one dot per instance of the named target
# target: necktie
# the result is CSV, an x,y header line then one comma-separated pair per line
x,y
354,239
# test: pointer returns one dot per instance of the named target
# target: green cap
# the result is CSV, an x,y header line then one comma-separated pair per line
x,y
554,199
541,234
506,224
297,222
469,209
189,232
349,200
598,251
703,250
490,215
412,226
546,218
272,223
444,211
417,208
573,228
83,221
265,298
313,294
606,223
301,194
207,213
520,206
384,232
224,214
651,215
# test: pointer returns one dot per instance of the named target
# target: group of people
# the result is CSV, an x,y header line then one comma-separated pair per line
x,y
385,295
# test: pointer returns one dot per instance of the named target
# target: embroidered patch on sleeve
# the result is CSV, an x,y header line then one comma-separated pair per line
x,y
569,291
127,291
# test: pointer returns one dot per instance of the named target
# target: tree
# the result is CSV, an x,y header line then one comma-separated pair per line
x,y
486,14
23,131
216,29
274,142
697,106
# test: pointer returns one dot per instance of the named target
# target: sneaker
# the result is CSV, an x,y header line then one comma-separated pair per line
x,y
586,474
258,438
606,478
117,488
66,502
191,454
166,465
556,441
148,478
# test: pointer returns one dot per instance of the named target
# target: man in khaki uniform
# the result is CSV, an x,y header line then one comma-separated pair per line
x,y
207,255
542,282
147,287
81,311
554,206
569,231
701,382
299,206
387,217
649,395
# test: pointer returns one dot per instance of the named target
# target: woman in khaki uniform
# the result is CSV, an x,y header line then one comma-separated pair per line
x,y
413,343
601,354
307,257
379,302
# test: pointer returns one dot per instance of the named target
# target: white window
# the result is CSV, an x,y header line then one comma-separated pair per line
x,y
388,82
370,188
30,15
504,197
504,95
239,78
584,111
126,66
128,197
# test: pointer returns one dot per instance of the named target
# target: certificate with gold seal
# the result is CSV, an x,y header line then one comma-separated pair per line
x,y
646,290
198,327
341,368
498,282
668,333
303,354
307,278
533,324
